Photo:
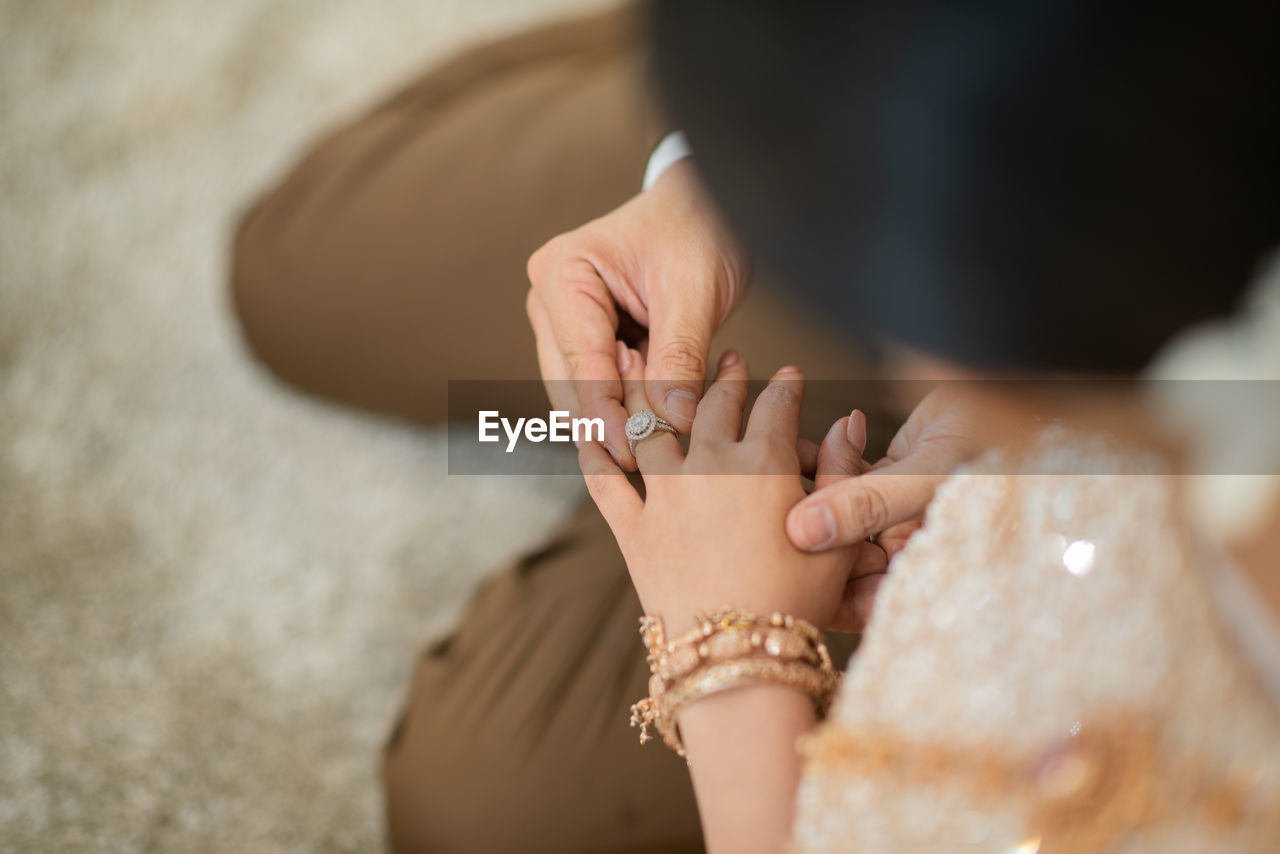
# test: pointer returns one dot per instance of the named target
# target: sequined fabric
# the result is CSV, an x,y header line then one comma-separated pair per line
x,y
1046,672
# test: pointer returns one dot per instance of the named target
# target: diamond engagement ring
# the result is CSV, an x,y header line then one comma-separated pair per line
x,y
642,425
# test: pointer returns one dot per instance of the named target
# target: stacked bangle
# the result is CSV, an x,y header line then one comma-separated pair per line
x,y
728,649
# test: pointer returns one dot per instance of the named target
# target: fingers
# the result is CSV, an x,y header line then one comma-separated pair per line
x,y
856,431
660,453
807,450
839,457
720,412
857,603
679,340
575,322
776,413
894,538
610,489
855,508
856,600
551,366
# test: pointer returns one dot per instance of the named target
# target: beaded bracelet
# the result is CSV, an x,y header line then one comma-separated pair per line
x,y
730,633
726,649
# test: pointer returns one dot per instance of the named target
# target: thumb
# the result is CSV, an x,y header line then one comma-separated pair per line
x,y
679,341
855,508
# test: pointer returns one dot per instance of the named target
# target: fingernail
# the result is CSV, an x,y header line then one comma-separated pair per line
x,y
856,431
817,526
617,458
729,357
624,358
789,369
682,404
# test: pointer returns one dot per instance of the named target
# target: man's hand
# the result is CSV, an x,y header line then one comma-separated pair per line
x,y
839,459
943,431
664,259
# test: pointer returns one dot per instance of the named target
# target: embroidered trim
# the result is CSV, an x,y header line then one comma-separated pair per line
x,y
1082,795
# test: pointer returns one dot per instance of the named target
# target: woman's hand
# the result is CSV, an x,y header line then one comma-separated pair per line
x,y
710,530
709,533
664,259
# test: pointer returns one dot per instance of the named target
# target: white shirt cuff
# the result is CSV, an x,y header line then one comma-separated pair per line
x,y
673,148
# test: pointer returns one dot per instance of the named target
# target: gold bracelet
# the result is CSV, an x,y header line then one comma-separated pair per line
x,y
726,649
728,634
818,685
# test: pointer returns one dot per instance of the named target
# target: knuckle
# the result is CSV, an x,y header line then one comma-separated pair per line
x,y
781,459
597,487
721,394
864,508
760,455
683,357
784,394
541,263
536,266
840,460
572,363
585,370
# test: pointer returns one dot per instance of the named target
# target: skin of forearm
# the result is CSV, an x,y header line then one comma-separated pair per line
x,y
742,758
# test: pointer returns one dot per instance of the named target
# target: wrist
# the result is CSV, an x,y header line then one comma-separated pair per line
x,y
745,766
726,650
733,716
679,612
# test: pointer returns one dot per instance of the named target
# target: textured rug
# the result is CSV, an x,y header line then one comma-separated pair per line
x,y
211,590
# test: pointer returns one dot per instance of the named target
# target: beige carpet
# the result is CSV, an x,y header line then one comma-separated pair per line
x,y
211,591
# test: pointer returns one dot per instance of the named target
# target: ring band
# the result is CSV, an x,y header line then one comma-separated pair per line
x,y
643,424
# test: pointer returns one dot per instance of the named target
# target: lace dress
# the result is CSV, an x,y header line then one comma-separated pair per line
x,y
1047,671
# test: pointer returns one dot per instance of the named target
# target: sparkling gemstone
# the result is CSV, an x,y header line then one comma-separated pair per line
x,y
640,425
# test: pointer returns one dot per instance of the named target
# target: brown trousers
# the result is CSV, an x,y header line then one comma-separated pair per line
x,y
392,260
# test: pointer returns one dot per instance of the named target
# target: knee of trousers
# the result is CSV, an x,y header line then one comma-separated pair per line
x,y
287,311
528,773
460,798
563,807
257,272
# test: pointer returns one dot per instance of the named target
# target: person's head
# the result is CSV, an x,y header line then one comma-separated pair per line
x,y
1049,186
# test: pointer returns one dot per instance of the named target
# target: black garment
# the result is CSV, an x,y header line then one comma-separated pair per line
x,y
1056,185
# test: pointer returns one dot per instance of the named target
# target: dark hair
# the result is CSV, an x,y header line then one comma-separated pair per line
x,y
1049,184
